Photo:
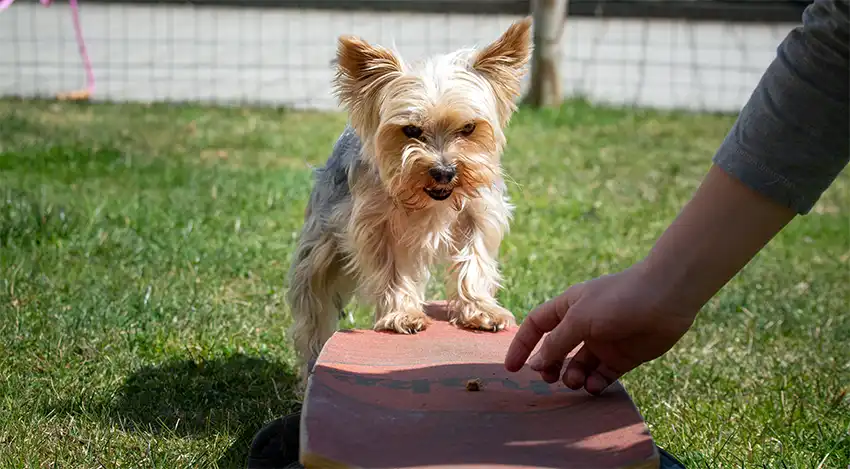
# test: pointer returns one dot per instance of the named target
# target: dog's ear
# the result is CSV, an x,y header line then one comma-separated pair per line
x,y
503,62
362,70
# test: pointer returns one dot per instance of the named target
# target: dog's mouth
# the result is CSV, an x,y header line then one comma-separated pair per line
x,y
438,193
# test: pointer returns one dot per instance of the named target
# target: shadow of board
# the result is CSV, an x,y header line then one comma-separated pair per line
x,y
189,398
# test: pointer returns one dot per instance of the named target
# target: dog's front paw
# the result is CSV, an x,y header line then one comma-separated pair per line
x,y
488,317
404,322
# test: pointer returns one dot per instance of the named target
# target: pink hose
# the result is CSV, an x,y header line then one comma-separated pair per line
x,y
81,43
78,30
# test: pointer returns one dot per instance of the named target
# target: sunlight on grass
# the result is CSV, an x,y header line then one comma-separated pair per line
x,y
143,253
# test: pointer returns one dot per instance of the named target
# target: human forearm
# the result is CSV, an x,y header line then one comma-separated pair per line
x,y
717,233
789,143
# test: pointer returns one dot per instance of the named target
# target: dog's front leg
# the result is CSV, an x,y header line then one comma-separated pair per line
x,y
399,299
474,277
400,309
391,280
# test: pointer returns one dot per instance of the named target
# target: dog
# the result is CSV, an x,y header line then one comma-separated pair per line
x,y
414,179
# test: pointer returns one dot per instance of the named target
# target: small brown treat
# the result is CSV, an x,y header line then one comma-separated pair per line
x,y
473,385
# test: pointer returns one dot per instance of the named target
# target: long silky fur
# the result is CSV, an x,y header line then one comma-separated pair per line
x,y
370,230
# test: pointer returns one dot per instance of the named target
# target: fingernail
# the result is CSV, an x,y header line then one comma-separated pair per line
x,y
536,363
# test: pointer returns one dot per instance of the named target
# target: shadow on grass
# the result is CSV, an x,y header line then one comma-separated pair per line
x,y
188,398
235,395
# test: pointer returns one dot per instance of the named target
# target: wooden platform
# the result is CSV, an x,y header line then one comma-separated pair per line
x,y
382,400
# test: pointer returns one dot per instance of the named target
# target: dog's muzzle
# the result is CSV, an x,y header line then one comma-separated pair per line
x,y
441,174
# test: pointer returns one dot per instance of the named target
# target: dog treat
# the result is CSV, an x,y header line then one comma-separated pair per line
x,y
473,385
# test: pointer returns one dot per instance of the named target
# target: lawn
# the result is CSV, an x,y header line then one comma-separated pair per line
x,y
143,252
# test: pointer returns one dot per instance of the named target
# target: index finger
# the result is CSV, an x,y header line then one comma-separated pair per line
x,y
539,321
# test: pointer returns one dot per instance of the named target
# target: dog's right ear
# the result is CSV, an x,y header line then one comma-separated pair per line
x,y
362,70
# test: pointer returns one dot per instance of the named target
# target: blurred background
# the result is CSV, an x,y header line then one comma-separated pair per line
x,y
698,54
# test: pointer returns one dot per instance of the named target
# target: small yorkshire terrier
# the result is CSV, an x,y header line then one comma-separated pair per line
x,y
414,179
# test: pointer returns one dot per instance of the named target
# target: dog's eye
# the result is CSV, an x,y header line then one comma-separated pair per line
x,y
468,129
411,131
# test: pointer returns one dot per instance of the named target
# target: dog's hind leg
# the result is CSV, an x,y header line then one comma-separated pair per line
x,y
318,292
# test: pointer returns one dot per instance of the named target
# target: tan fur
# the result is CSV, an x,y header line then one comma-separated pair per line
x,y
381,241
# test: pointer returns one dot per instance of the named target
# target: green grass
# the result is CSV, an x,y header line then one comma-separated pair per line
x,y
143,251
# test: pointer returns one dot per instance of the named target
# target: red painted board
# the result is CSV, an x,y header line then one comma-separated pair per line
x,y
385,400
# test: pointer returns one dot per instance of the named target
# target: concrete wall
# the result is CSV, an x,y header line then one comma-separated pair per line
x,y
282,57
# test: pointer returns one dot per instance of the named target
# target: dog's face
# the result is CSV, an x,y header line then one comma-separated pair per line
x,y
433,130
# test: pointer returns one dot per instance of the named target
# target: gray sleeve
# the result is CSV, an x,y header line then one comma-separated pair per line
x,y
792,138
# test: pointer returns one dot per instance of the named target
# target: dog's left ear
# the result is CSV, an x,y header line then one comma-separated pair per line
x,y
503,62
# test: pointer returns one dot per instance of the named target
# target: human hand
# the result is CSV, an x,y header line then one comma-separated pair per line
x,y
635,316
621,319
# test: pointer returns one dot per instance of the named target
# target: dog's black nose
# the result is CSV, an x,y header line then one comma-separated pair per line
x,y
443,174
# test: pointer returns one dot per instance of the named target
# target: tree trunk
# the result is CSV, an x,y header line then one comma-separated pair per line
x,y
545,88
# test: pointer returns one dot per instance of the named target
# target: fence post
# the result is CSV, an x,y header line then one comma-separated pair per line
x,y
549,17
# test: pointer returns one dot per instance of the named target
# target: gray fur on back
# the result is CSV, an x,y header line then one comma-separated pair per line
x,y
331,188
